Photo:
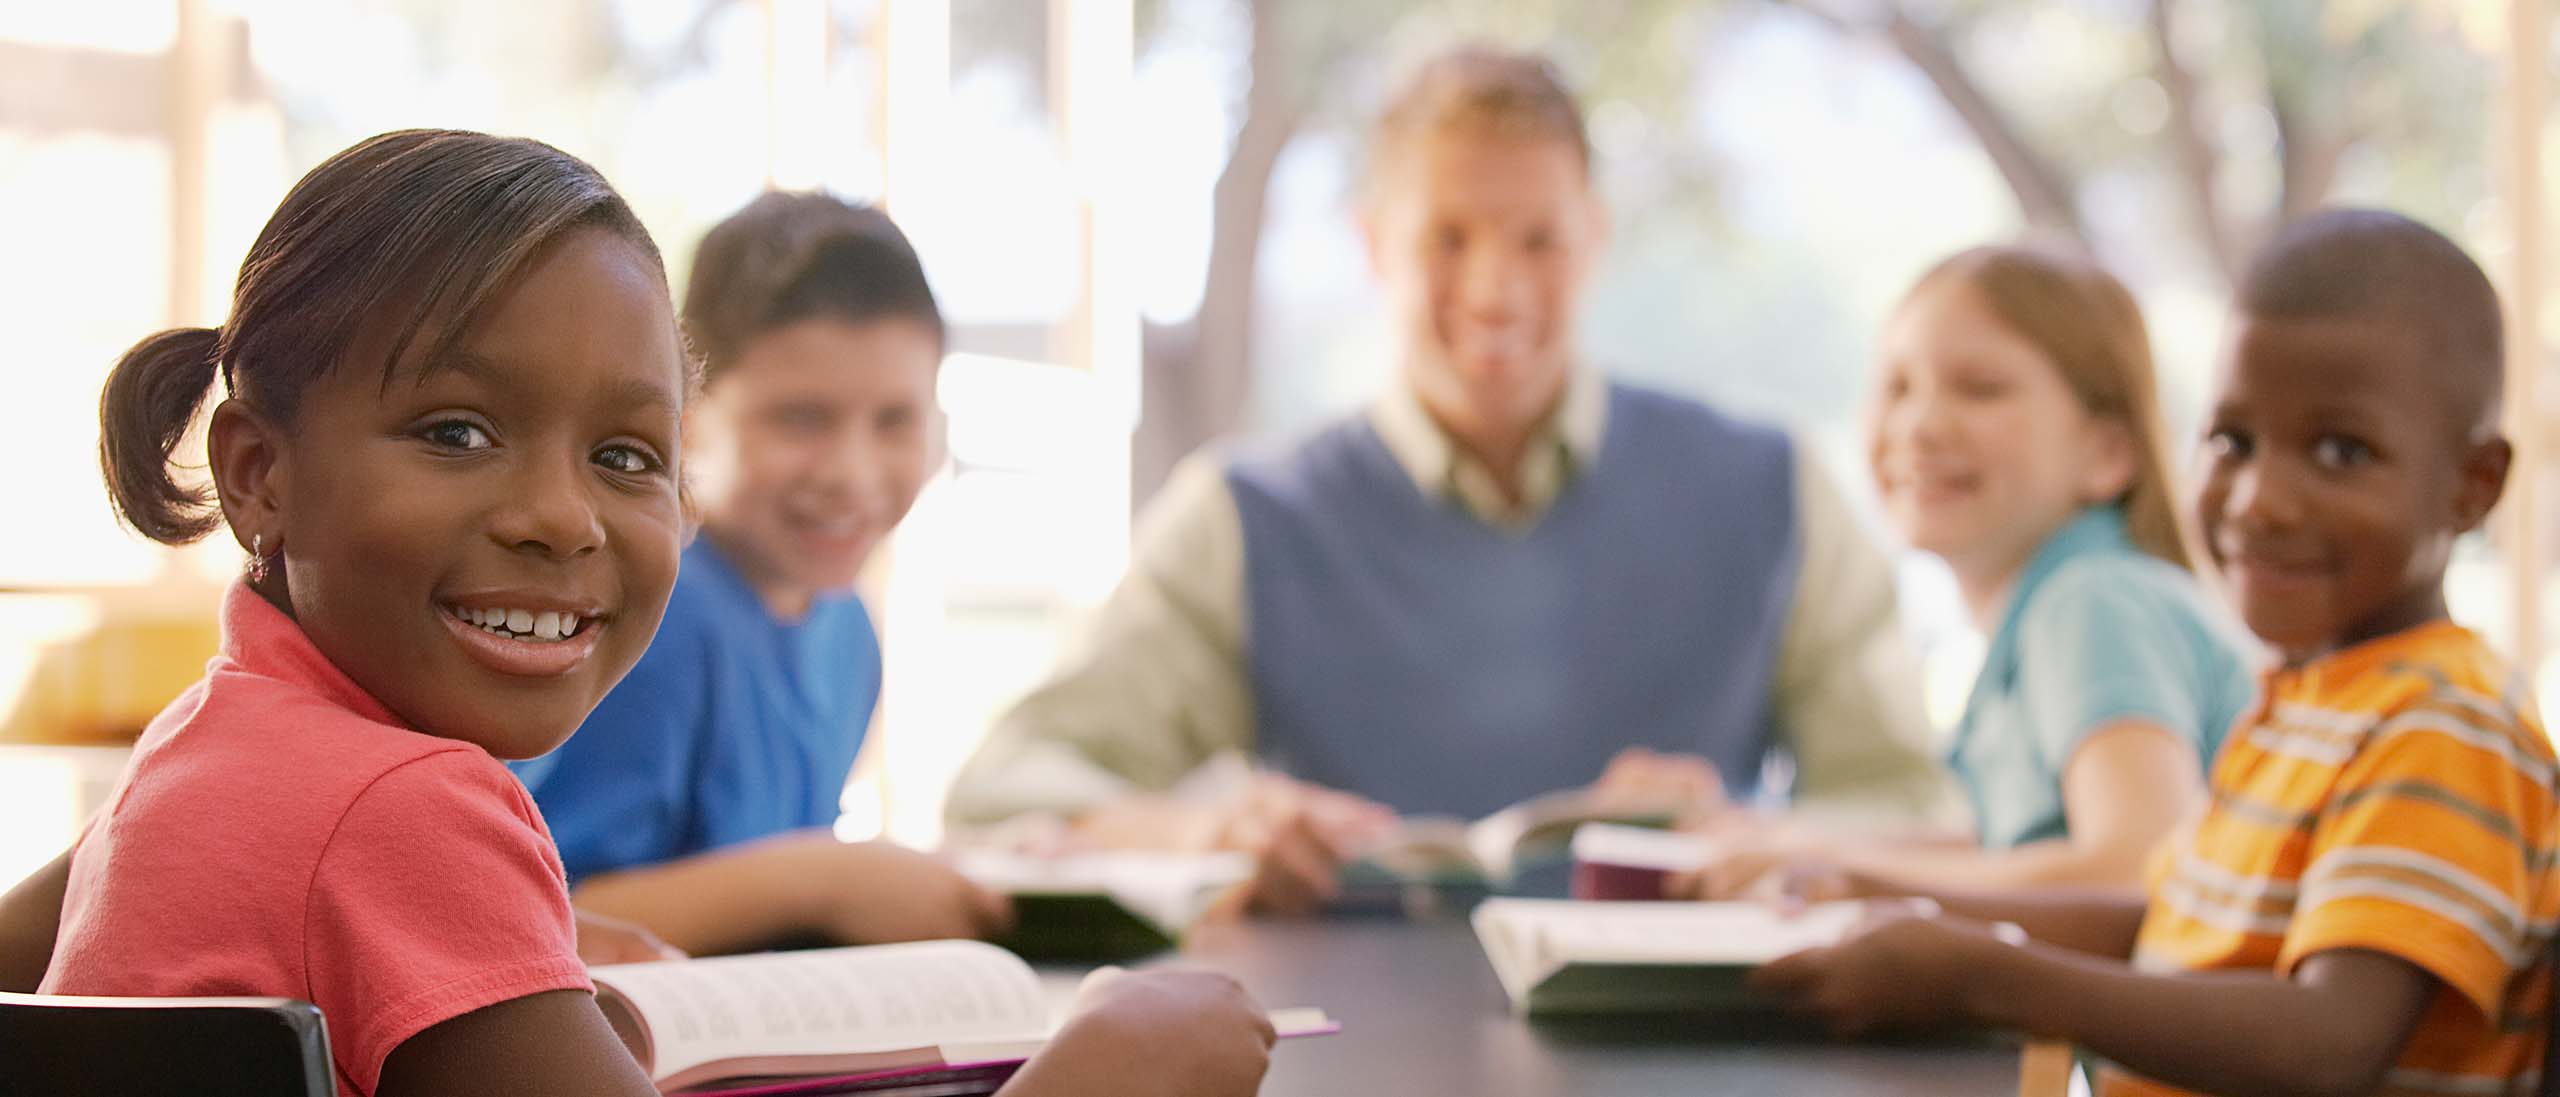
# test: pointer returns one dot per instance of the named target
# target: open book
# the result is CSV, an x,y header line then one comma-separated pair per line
x,y
1490,852
1558,956
942,1017
1103,906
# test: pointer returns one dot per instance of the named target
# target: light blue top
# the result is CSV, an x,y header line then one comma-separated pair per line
x,y
734,726
2097,632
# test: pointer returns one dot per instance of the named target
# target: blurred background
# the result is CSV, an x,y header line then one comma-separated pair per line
x,y
1137,215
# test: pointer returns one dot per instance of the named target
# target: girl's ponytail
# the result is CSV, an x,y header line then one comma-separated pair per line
x,y
438,219
150,400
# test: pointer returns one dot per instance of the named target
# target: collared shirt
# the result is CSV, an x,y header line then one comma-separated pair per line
x,y
1156,683
1561,448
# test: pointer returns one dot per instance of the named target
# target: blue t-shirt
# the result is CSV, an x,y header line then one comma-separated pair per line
x,y
2097,632
734,726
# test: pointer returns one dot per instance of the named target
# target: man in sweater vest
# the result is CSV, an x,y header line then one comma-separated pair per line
x,y
1506,576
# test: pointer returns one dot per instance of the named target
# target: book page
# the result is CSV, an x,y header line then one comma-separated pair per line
x,y
1541,826
827,1001
1424,849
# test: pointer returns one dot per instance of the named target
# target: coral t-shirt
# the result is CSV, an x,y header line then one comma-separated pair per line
x,y
280,833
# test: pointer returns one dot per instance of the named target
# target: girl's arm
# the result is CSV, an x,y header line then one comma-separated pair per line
x,y
30,916
2125,788
2334,1028
556,1043
1158,1034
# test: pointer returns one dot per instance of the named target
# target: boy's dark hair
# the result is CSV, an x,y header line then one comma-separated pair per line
x,y
787,257
2376,264
423,226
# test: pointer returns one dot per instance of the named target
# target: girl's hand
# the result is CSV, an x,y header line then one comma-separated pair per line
x,y
1168,1033
1769,862
1907,969
881,892
603,940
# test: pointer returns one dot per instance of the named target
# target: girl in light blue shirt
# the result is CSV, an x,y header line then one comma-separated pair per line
x,y
2015,434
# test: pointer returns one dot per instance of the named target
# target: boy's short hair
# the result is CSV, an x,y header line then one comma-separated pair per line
x,y
2374,264
1479,91
787,257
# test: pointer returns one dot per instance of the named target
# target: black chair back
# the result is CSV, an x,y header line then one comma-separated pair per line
x,y
148,1047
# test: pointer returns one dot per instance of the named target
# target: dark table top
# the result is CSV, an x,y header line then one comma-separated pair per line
x,y
1422,1014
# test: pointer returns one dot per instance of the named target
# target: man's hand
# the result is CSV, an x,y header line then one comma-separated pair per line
x,y
1645,782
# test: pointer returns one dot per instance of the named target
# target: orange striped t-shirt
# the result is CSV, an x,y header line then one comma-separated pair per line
x,y
2397,797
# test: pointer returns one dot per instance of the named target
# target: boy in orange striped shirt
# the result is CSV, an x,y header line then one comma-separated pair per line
x,y
2368,904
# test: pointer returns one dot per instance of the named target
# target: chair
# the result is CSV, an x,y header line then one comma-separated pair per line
x,y
149,1047
2550,1085
2045,1067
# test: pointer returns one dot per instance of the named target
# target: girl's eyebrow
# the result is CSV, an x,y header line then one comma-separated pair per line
x,y
634,394
623,394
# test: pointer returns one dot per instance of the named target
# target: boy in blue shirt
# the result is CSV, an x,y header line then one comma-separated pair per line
x,y
698,799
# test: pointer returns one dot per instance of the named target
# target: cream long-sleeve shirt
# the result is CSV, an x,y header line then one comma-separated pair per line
x,y
1157,682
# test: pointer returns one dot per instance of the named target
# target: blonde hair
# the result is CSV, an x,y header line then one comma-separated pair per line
x,y
1478,91
2089,326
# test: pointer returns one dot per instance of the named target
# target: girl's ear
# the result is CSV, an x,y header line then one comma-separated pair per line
x,y
252,474
2112,461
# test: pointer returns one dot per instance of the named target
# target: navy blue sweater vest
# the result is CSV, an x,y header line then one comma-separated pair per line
x,y
1406,652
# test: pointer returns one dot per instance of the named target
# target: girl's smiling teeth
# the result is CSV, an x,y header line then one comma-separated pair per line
x,y
542,627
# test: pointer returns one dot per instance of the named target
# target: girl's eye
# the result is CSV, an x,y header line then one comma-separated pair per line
x,y
2226,445
2339,452
629,460
460,434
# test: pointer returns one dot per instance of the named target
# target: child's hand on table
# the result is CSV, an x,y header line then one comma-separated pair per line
x,y
1159,1034
1907,967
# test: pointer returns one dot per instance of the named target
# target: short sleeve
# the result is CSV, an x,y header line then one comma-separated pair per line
x,y
437,895
2101,645
2422,852
615,794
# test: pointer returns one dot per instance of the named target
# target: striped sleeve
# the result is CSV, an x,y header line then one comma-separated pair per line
x,y
2426,849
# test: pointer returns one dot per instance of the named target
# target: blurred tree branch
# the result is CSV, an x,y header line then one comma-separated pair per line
x,y
2043,193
